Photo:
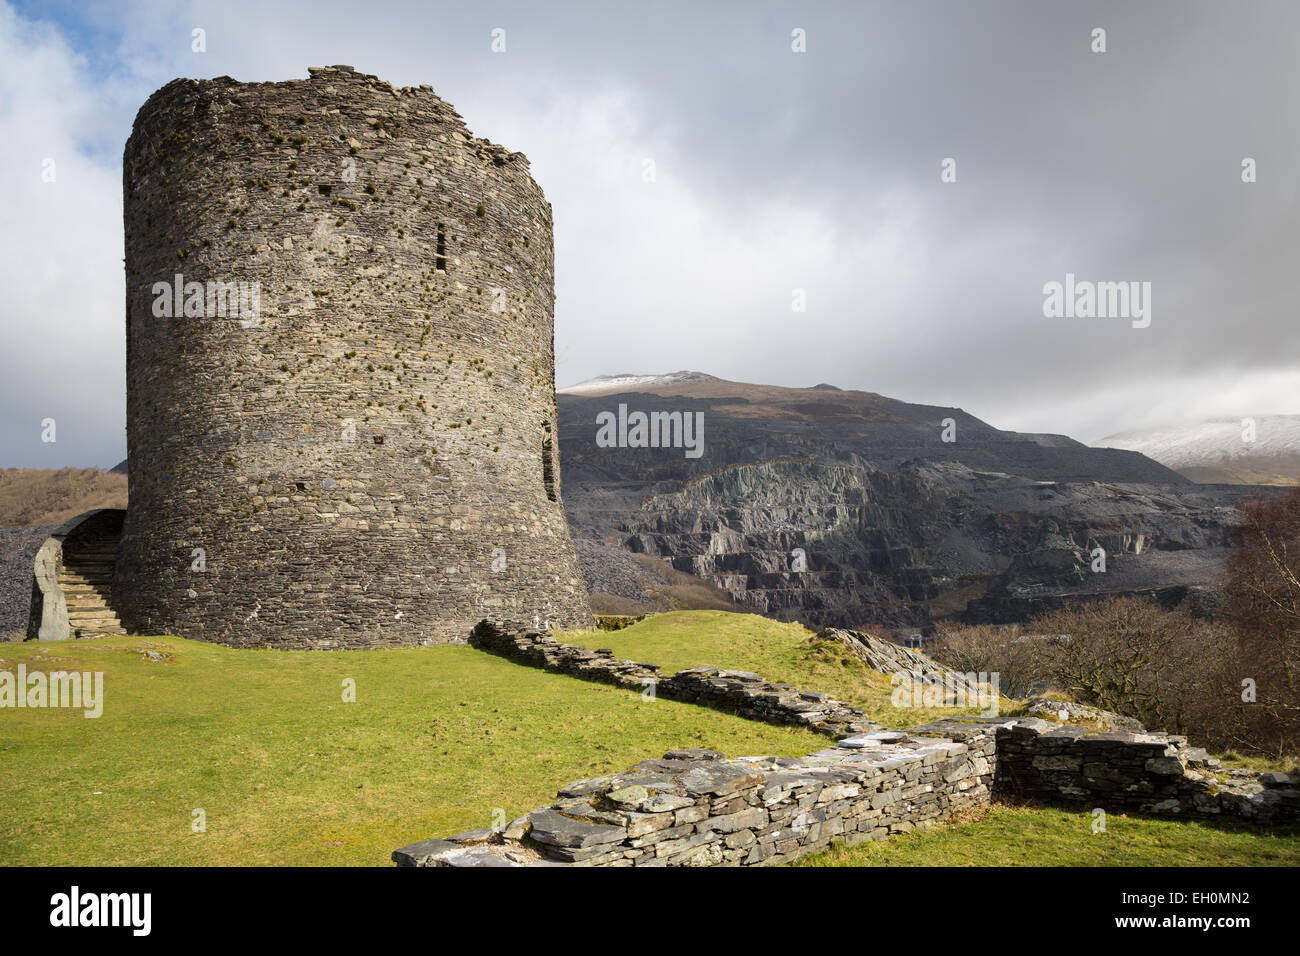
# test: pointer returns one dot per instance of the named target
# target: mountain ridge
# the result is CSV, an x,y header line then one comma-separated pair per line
x,y
894,526
1261,449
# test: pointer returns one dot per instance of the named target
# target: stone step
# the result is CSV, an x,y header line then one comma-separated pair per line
x,y
85,599
66,578
94,620
86,587
90,610
70,588
85,576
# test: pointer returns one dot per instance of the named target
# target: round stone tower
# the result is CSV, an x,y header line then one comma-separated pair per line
x,y
340,371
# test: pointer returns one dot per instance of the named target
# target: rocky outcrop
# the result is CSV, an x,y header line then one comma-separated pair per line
x,y
849,545
895,660
824,544
1065,711
849,509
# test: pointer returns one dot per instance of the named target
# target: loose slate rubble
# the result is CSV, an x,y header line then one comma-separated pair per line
x,y
1070,712
695,807
892,659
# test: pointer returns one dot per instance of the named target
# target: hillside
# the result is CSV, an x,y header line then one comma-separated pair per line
x,y
1214,451
899,528
42,496
760,422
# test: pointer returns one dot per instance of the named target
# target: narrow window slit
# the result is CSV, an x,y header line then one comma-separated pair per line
x,y
548,462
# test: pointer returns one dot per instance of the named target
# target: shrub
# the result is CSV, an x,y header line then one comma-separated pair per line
x,y
1264,606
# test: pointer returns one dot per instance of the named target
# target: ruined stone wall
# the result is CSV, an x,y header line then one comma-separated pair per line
x,y
743,693
368,457
695,808
1131,771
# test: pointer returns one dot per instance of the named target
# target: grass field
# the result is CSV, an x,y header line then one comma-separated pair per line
x,y
783,653
287,773
1003,835
438,740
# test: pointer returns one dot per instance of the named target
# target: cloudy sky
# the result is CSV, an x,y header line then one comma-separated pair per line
x,y
775,171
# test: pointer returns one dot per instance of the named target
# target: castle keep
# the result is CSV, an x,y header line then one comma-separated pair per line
x,y
340,371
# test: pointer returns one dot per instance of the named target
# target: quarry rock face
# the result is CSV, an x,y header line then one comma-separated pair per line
x,y
892,548
340,373
848,509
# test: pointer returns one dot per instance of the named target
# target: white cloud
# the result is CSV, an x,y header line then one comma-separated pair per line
x,y
773,173
61,251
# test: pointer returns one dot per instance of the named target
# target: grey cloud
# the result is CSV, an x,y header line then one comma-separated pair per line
x,y
816,170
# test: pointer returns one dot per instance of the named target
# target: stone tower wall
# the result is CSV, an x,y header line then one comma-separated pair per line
x,y
365,453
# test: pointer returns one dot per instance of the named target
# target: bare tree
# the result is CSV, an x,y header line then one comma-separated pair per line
x,y
1130,656
1264,605
1015,656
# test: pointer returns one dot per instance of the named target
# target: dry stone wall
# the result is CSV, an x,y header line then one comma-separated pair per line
x,y
1125,770
738,692
697,808
368,455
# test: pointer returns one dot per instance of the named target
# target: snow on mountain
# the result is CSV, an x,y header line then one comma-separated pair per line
x,y
1221,449
624,383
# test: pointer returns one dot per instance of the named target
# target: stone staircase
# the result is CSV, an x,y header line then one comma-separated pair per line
x,y
86,578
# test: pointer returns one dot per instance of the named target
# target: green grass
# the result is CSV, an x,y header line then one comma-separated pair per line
x,y
782,653
1005,835
439,738
1235,761
997,835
